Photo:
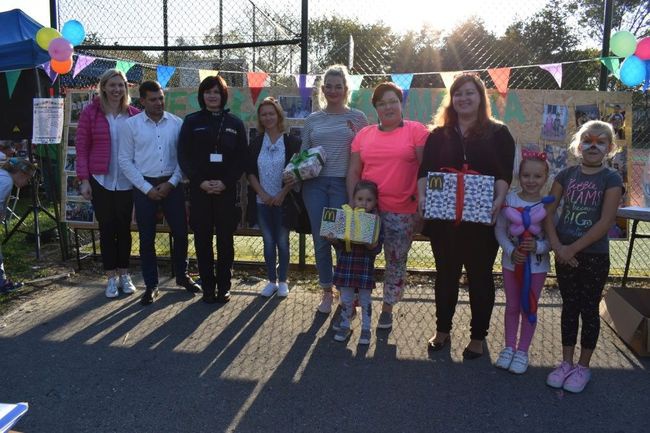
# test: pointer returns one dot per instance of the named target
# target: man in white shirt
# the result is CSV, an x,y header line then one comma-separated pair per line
x,y
148,159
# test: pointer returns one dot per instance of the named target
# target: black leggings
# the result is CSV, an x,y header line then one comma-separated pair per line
x,y
581,288
474,246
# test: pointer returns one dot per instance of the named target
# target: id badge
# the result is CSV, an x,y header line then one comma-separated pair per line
x,y
216,157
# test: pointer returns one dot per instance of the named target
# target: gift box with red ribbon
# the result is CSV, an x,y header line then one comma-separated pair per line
x,y
459,195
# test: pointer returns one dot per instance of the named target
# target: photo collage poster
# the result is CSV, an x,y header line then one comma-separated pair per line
x,y
75,210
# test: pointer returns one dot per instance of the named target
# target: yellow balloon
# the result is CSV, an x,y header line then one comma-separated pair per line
x,y
45,35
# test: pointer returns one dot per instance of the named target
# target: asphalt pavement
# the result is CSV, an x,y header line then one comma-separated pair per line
x,y
85,363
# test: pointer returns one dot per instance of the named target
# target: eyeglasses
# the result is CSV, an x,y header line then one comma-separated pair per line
x,y
385,104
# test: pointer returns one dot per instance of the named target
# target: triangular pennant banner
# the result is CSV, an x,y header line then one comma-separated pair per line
x,y
205,73
124,66
355,82
256,82
555,69
448,78
403,81
613,64
257,79
500,77
305,81
12,79
164,73
81,64
48,70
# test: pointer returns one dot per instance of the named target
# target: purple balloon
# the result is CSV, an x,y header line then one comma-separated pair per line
x,y
60,49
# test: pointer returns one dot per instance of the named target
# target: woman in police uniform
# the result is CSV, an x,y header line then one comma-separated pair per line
x,y
212,151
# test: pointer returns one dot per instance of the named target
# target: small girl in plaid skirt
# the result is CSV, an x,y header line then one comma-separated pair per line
x,y
355,269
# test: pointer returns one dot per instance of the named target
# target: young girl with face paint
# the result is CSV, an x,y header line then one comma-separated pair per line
x,y
590,194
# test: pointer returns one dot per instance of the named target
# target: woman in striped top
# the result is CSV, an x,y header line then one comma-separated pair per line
x,y
333,128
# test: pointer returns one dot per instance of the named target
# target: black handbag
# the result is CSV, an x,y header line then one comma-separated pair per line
x,y
295,213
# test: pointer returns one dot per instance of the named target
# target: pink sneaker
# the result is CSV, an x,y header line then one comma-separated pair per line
x,y
578,379
557,377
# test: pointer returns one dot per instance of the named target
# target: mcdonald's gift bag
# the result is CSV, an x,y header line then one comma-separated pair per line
x,y
306,164
459,196
350,225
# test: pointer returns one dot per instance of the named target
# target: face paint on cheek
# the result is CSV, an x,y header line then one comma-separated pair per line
x,y
601,147
597,141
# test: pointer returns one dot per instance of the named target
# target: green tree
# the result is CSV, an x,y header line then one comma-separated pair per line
x,y
329,43
630,15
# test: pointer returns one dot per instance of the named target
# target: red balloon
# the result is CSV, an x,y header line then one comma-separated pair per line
x,y
643,49
61,67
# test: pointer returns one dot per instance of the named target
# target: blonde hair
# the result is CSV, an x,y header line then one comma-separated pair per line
x,y
271,101
595,127
335,71
103,98
447,115
15,165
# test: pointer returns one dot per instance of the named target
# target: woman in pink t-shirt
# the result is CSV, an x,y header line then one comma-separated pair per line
x,y
389,154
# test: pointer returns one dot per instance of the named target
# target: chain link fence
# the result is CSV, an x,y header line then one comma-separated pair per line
x,y
376,38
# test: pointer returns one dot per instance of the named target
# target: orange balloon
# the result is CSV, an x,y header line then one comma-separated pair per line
x,y
61,67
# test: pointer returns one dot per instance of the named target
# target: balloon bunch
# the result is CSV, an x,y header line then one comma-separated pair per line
x,y
60,45
525,222
636,66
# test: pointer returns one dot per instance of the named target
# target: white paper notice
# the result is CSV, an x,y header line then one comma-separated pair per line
x,y
48,120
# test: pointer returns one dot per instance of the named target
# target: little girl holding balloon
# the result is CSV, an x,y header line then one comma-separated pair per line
x,y
525,259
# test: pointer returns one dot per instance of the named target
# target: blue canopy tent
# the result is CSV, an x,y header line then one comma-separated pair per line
x,y
18,47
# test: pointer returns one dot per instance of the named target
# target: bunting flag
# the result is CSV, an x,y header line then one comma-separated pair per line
x,y
613,64
555,69
124,66
256,82
355,82
81,64
205,73
48,70
12,79
164,74
403,81
448,78
500,77
305,85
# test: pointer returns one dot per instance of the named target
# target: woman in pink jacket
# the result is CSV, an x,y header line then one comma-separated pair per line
x,y
102,181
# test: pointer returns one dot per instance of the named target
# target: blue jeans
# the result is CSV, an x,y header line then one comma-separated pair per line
x,y
276,239
317,194
173,207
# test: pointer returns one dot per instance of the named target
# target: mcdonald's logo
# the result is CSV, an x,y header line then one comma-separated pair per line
x,y
329,214
436,182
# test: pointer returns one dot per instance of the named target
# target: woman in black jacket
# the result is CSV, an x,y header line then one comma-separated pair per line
x,y
269,154
212,152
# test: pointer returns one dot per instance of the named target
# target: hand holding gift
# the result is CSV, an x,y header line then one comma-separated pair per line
x,y
307,164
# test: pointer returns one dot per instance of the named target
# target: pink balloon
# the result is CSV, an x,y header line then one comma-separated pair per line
x,y
643,49
60,49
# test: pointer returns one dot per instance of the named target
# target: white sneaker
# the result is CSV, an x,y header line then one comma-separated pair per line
x,y
519,363
325,305
111,288
269,290
126,284
505,358
283,289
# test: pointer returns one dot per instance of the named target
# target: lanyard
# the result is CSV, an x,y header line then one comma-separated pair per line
x,y
218,141
463,144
